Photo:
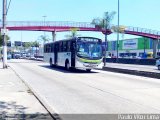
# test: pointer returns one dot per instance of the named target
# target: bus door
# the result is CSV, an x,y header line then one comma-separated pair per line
x,y
73,53
56,53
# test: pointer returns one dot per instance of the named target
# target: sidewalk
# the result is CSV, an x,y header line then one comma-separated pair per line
x,y
16,99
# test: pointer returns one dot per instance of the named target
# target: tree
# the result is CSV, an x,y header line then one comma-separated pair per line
x,y
73,33
27,44
43,38
30,45
1,39
104,23
36,44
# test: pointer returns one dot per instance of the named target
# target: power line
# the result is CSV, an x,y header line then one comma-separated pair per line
x,y
8,6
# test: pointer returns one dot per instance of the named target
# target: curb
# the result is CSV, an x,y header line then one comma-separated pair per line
x,y
35,59
133,72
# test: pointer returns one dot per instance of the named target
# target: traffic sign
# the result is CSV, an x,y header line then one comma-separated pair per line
x,y
4,31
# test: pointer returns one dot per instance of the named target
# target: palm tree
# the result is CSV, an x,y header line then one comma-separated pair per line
x,y
43,38
73,33
105,24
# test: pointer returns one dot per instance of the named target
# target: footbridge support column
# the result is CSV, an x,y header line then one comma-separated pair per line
x,y
155,44
54,36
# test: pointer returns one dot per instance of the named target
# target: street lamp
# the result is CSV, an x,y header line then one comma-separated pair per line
x,y
44,22
21,43
44,17
158,54
118,32
144,47
105,48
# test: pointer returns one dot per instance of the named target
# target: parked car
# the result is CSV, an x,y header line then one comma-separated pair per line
x,y
158,63
24,55
9,56
17,56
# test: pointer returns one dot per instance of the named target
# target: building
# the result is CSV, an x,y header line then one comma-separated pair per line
x,y
136,47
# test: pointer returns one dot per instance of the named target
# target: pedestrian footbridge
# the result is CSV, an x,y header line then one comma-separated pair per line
x,y
62,26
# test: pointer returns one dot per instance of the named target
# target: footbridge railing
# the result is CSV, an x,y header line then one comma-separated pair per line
x,y
49,23
46,25
142,30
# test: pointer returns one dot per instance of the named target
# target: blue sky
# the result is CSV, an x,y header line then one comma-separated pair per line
x,y
138,13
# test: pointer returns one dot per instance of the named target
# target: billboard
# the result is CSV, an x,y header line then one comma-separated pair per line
x,y
8,43
130,44
17,43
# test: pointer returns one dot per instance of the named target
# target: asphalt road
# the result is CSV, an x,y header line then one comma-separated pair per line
x,y
98,92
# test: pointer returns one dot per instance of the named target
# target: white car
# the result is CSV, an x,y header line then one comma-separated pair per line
x,y
158,63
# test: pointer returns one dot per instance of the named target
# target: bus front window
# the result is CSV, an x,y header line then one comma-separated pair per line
x,y
89,50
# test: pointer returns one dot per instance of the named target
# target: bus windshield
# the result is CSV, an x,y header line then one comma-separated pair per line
x,y
91,50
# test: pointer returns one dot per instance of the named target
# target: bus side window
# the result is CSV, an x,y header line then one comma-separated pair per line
x,y
68,46
44,48
56,47
60,47
52,47
64,46
47,48
73,46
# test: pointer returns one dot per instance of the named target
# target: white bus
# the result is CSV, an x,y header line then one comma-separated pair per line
x,y
79,52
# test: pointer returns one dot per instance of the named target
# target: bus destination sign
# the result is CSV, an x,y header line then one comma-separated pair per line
x,y
89,39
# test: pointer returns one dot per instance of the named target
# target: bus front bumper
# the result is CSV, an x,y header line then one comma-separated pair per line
x,y
89,65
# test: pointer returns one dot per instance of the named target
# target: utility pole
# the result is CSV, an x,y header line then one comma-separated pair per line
x,y
105,48
44,22
118,33
4,31
22,50
158,54
44,19
144,47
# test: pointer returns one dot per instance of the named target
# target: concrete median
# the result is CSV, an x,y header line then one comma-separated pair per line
x,y
133,72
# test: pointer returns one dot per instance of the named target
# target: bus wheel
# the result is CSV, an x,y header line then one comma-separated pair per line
x,y
67,66
88,70
50,62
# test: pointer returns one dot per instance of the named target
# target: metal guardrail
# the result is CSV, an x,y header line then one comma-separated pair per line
x,y
142,30
135,29
49,23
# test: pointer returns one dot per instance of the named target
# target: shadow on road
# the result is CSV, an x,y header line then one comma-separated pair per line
x,y
10,110
62,69
30,61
